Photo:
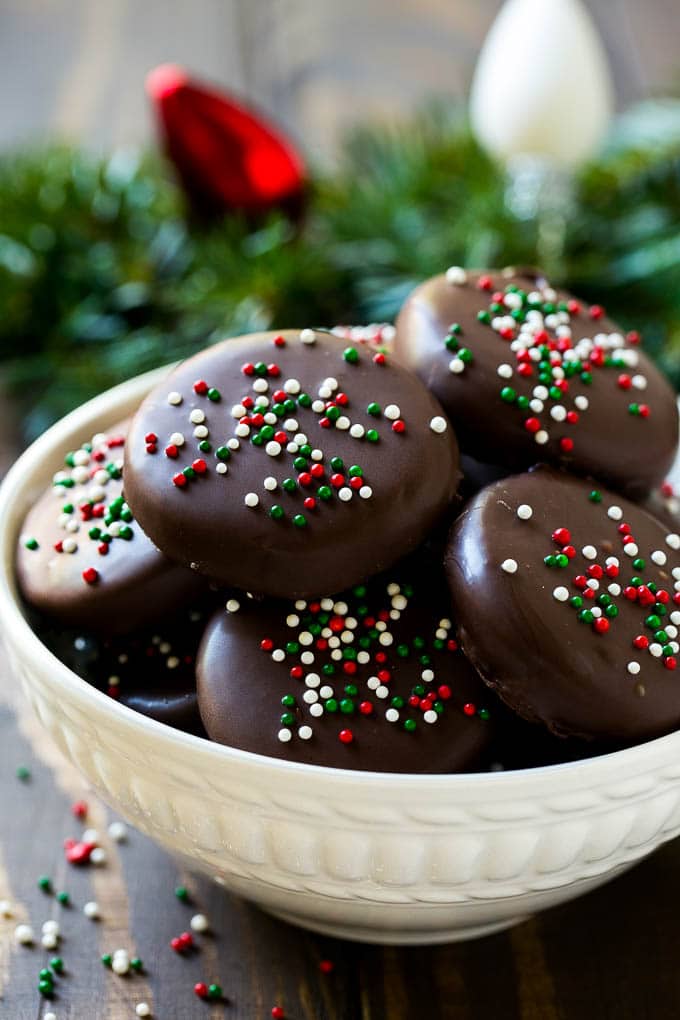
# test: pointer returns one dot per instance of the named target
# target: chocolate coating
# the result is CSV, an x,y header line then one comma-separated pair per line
x,y
153,669
627,451
135,583
359,525
241,682
518,625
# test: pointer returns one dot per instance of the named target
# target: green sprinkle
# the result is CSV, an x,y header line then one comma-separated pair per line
x,y
465,354
215,991
372,436
355,472
289,484
451,343
260,368
550,561
300,463
347,706
107,959
611,611
455,328
409,725
214,394
351,355
508,395
653,621
661,636
352,690
397,701
292,647
484,317
45,975
288,700
562,560
287,719
328,669
94,533
125,533
595,496
331,705
403,651
586,378
67,508
306,450
304,400
182,893
23,773
523,403
45,883
337,463
586,616
483,713
31,543
46,988
276,512
204,446
267,432
639,563
135,962
189,472
333,413
325,492
300,521
63,898
576,601
374,409
57,964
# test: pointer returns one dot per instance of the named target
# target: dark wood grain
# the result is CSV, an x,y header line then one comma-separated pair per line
x,y
612,954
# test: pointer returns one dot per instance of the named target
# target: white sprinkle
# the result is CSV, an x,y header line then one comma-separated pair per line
x,y
392,715
270,483
23,933
285,735
307,658
326,691
291,386
251,499
325,392
615,513
221,468
238,410
340,608
316,710
326,604
260,386
49,941
427,675
292,620
278,655
675,618
671,630
536,405
541,437
242,431
345,494
658,557
399,602
174,398
382,691
69,545
143,1009
5,908
456,365
561,594
199,923
630,549
304,732
91,835
312,680
456,276
430,716
50,1016
273,448
438,424
673,542
233,444
308,336
309,697
581,403
233,606
91,910
343,423
633,667
505,371
392,411
98,856
593,583
509,566
656,649
201,432
290,424
558,412
50,927
357,431
317,455
639,382
318,406
614,589
524,512
331,382
197,417
589,551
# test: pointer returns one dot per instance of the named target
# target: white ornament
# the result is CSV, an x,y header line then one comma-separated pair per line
x,y
542,85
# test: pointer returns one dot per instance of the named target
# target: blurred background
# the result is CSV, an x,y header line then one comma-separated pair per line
x,y
137,224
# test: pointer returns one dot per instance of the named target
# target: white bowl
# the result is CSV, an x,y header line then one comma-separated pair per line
x,y
369,856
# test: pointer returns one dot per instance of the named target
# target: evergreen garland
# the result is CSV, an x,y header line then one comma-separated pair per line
x,y
103,275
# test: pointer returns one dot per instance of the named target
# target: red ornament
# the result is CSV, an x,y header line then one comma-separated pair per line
x,y
227,157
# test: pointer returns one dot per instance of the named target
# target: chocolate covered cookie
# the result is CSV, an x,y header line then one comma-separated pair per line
x,y
373,679
82,557
528,374
290,464
567,599
152,670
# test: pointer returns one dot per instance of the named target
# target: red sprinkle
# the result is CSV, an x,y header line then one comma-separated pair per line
x,y
596,311
179,480
532,424
601,625
150,437
345,737
398,426
326,966
562,536
90,575
670,662
200,988
279,341
641,641
79,809
171,451
200,387
469,708
379,358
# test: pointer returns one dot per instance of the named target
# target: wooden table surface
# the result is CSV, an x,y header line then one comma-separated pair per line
x,y
612,954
